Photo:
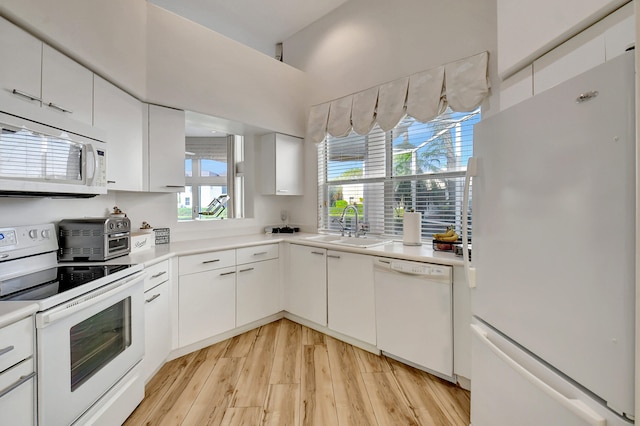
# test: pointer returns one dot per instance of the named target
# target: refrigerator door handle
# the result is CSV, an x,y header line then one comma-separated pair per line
x,y
468,269
576,406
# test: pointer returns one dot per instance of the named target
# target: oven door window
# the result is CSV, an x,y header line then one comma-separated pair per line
x,y
99,339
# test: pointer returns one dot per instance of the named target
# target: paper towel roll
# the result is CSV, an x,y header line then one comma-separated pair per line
x,y
412,229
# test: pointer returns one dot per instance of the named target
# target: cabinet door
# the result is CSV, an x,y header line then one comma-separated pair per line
x,y
206,304
20,68
67,87
351,297
157,328
166,149
258,292
121,116
18,405
282,164
306,286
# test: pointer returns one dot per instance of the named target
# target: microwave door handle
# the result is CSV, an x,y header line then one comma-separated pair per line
x,y
92,163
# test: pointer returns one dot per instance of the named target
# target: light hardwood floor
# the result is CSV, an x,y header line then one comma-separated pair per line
x,y
287,374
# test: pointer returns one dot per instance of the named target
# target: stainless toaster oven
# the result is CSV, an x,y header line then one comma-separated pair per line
x,y
94,239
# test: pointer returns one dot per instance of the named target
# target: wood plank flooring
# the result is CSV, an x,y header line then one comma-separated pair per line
x,y
287,374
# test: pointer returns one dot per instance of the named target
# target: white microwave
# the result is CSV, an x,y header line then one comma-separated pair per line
x,y
40,160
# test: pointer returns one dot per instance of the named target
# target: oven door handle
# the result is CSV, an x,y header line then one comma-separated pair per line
x,y
46,318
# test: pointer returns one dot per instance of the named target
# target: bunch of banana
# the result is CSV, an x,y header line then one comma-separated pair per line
x,y
449,236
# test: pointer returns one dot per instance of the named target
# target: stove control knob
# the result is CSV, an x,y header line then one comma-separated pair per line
x,y
119,225
46,234
111,225
33,233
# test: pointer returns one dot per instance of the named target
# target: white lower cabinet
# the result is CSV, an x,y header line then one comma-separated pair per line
x,y
258,294
157,328
306,285
351,296
17,367
206,304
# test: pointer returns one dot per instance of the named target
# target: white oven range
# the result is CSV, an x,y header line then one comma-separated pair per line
x,y
89,327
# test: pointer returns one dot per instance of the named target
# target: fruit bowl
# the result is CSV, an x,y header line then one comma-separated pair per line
x,y
445,245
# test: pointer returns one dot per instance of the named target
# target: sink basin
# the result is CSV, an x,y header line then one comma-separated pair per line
x,y
324,238
363,242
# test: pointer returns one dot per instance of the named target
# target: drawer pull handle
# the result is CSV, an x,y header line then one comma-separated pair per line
x,y
159,274
260,253
20,381
227,273
152,298
333,256
246,270
318,252
25,95
174,186
7,349
388,262
211,261
59,108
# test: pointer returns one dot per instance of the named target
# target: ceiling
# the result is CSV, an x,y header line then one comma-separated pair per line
x,y
259,24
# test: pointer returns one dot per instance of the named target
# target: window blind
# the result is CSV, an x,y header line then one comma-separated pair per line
x,y
414,166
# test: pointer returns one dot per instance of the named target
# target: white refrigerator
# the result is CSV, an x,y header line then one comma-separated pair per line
x,y
553,265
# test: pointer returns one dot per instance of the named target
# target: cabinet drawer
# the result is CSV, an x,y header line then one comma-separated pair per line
x,y
206,261
257,253
16,342
156,274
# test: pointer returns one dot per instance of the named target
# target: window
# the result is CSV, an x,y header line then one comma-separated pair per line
x,y
213,189
415,166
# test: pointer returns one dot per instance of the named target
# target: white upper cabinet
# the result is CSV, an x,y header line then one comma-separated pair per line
x,y
166,149
21,67
121,116
67,87
282,164
528,29
32,74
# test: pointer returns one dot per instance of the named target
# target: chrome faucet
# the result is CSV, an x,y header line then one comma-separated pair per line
x,y
344,212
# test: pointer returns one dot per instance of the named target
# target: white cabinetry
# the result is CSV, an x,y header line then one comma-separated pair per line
x,y
67,87
122,117
206,295
258,283
351,296
282,164
21,67
306,285
34,75
166,155
157,330
17,383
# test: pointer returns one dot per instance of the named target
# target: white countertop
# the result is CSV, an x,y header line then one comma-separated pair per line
x,y
11,312
396,249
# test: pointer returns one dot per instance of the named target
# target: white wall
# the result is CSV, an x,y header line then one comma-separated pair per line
x,y
193,68
364,43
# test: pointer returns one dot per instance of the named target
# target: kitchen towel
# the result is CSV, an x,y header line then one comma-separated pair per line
x,y
412,229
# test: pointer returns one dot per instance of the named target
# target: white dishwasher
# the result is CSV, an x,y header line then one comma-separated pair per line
x,y
414,314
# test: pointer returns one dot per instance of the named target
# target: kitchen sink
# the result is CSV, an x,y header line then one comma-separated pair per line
x,y
362,242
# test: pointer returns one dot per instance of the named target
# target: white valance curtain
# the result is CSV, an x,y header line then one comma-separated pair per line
x,y
461,85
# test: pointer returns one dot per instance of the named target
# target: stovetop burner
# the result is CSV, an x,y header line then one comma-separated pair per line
x,y
53,281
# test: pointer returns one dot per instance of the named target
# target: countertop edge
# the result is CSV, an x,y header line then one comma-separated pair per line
x,y
394,250
11,312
